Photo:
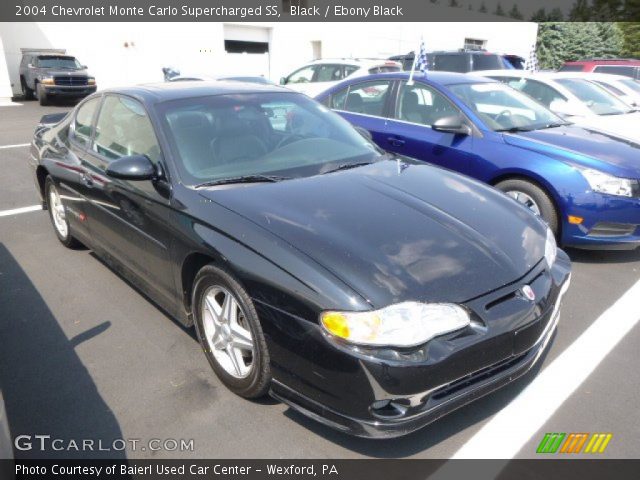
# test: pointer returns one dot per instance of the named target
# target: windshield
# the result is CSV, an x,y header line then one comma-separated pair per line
x,y
503,108
51,61
632,84
279,134
596,98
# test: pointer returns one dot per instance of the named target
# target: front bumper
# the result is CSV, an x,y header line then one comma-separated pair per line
x,y
387,394
609,222
70,91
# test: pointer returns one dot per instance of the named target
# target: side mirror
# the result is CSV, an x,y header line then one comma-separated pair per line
x,y
453,124
84,67
283,80
364,132
30,65
132,167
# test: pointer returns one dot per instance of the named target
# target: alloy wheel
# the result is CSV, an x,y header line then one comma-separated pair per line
x,y
525,199
227,332
58,213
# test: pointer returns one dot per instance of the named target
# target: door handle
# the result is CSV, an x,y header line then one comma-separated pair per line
x,y
395,141
86,180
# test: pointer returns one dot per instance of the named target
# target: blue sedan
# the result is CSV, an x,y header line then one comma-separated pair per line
x,y
584,184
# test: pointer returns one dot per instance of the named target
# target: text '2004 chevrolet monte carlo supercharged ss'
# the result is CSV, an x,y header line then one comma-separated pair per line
x,y
371,292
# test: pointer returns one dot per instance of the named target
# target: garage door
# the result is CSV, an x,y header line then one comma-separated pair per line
x,y
246,50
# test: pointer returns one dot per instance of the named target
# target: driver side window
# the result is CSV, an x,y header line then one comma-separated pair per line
x,y
123,128
423,105
304,75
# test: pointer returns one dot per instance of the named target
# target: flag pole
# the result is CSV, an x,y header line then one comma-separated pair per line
x,y
413,65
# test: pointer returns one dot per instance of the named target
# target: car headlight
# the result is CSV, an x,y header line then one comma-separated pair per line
x,y
404,324
604,183
91,81
550,248
47,81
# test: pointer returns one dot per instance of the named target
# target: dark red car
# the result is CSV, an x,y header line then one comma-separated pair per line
x,y
628,67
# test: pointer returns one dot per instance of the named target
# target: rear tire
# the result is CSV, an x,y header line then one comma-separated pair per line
x,y
230,333
527,192
58,215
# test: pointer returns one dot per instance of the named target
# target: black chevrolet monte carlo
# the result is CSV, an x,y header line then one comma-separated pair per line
x,y
370,292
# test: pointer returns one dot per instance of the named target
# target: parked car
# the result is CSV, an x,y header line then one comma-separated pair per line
x,y
577,99
48,75
584,184
372,293
463,61
628,67
625,88
319,75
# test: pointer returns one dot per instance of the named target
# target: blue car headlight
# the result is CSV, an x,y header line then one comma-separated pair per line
x,y
604,183
406,324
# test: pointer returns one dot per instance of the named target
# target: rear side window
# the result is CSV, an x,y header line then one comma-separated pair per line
x,y
83,123
452,63
627,71
488,62
123,128
541,92
368,98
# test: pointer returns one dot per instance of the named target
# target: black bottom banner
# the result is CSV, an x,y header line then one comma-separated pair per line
x,y
547,469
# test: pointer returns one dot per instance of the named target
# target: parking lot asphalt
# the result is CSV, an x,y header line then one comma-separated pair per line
x,y
84,355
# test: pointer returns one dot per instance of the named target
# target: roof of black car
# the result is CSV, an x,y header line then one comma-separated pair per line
x,y
166,91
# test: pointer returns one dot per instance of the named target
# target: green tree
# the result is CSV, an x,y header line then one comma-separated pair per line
x,y
483,8
630,39
559,42
581,11
515,12
499,10
454,3
555,15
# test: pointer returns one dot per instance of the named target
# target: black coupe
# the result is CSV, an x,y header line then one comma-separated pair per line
x,y
370,292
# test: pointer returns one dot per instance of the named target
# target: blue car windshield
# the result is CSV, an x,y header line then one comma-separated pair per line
x,y
282,135
503,108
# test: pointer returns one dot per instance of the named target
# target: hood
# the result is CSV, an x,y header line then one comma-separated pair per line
x,y
64,72
424,234
583,146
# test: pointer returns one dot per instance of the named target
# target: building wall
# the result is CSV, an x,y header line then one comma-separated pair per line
x,y
127,53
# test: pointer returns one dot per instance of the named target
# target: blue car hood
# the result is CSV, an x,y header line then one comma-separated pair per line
x,y
583,147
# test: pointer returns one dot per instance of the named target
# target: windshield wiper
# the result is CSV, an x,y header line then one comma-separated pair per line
x,y
243,179
553,125
514,129
347,166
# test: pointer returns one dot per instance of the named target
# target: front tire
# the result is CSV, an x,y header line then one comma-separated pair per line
x,y
534,198
42,95
230,333
58,215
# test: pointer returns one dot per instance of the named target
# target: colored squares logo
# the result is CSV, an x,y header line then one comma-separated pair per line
x,y
574,443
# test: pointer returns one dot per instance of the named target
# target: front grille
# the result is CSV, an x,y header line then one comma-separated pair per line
x,y
607,229
70,80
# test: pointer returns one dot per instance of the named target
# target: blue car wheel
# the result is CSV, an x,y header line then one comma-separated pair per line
x,y
534,198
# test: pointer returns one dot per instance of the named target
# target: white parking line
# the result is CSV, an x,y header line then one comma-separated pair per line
x,y
18,145
531,409
16,211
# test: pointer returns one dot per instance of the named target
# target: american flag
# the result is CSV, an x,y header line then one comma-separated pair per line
x,y
531,63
